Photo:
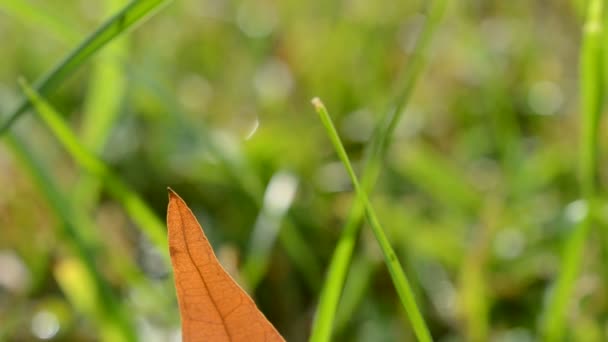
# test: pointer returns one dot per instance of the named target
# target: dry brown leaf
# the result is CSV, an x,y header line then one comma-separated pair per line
x,y
212,305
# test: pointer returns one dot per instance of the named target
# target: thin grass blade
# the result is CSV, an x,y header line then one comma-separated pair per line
x,y
375,151
400,281
133,14
592,99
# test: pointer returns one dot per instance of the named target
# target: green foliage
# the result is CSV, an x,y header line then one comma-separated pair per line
x,y
477,144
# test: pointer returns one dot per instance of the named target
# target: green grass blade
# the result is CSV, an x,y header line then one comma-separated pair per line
x,y
416,64
75,227
102,108
137,209
336,274
591,84
396,271
40,18
131,15
473,278
592,96
357,284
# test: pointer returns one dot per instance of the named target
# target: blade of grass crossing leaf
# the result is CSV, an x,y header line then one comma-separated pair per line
x,y
40,18
396,271
137,209
104,308
375,151
591,84
131,15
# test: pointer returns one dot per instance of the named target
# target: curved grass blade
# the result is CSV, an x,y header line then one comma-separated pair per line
x,y
375,151
131,15
592,98
394,267
137,209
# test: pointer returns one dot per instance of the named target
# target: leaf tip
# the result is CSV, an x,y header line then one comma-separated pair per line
x,y
173,198
172,193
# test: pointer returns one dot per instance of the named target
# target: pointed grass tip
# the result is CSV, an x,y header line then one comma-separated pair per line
x,y
317,103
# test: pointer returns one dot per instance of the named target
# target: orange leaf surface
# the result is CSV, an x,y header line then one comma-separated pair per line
x,y
212,305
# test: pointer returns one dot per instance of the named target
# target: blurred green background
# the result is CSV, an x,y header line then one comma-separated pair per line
x,y
478,191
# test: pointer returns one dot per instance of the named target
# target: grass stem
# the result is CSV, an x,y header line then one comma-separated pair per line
x,y
592,97
398,276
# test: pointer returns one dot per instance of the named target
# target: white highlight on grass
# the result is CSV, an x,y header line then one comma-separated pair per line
x,y
150,331
576,211
14,275
45,325
280,193
254,128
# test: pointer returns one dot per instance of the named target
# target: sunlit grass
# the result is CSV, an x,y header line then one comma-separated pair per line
x,y
470,164
375,153
400,281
